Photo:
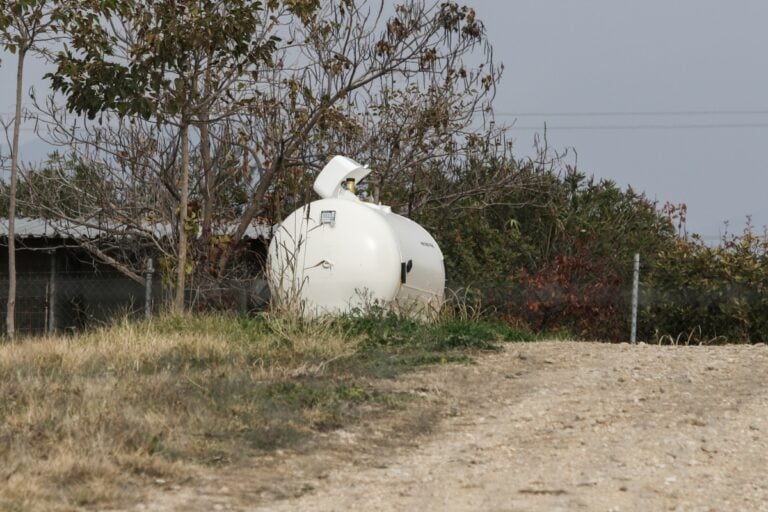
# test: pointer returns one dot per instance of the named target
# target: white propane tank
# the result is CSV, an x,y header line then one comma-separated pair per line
x,y
339,253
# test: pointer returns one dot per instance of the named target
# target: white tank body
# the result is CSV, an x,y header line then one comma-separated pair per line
x,y
340,253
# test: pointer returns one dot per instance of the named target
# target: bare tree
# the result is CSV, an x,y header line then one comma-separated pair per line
x,y
406,90
117,181
24,25
148,60
353,72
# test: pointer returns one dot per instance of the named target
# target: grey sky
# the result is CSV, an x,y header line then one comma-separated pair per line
x,y
571,56
646,56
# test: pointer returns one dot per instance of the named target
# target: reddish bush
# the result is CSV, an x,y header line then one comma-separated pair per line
x,y
574,292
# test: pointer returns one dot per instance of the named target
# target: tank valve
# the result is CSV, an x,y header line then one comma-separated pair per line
x,y
351,185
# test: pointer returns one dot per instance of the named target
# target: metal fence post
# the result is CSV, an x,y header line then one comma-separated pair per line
x,y
52,293
635,286
148,289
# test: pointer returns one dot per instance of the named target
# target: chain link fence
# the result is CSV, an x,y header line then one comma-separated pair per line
x,y
50,302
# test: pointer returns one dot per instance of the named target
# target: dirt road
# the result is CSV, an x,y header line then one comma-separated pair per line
x,y
538,427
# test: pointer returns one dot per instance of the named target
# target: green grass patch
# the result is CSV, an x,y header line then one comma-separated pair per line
x,y
392,344
393,330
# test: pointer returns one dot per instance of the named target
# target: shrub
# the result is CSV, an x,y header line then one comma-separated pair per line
x,y
553,253
709,292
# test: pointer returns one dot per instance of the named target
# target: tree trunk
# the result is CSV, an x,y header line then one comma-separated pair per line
x,y
181,264
257,201
205,155
10,318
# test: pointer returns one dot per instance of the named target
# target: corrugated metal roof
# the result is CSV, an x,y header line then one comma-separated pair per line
x,y
46,228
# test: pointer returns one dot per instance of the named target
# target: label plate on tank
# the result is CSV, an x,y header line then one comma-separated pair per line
x,y
328,217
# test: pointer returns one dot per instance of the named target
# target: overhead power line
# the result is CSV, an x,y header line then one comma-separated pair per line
x,y
659,113
642,127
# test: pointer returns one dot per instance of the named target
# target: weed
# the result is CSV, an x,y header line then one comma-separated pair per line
x,y
465,304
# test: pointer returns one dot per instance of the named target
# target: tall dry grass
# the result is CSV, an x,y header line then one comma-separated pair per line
x,y
85,418
88,420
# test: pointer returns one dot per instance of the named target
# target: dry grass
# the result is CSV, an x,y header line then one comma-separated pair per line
x,y
83,419
89,420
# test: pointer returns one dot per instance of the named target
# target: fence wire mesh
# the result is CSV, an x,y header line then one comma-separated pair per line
x,y
72,301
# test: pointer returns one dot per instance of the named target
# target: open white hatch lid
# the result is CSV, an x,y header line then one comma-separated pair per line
x,y
330,181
